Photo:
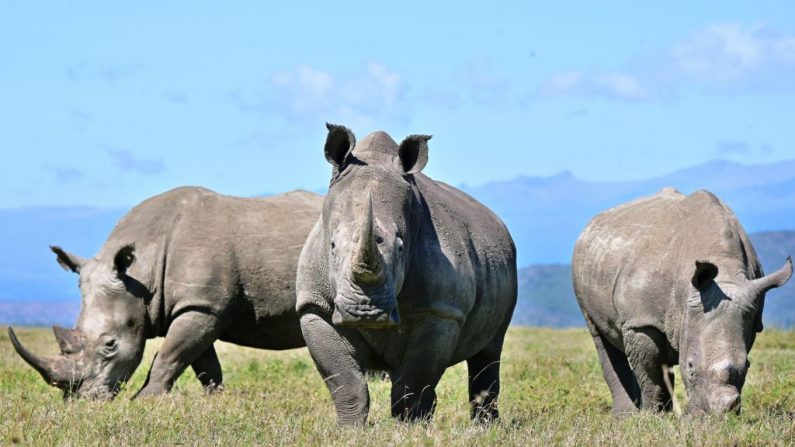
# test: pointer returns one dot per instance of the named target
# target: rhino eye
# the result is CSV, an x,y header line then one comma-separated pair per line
x,y
379,240
109,348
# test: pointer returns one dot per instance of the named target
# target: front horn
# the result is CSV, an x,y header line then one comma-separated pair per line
x,y
368,265
773,280
58,371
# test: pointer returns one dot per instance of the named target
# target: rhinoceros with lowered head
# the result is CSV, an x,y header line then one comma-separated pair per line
x,y
402,274
672,279
189,265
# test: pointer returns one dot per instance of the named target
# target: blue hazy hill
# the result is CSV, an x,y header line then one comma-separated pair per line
x,y
546,297
546,214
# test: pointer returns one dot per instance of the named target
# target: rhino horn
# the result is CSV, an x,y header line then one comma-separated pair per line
x,y
69,340
368,268
55,371
773,280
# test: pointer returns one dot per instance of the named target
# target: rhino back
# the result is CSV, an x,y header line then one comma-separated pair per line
x,y
632,264
234,257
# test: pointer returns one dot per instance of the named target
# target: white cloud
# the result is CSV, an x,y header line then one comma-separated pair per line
x,y
477,83
621,85
614,85
129,161
723,52
482,84
736,56
565,82
724,55
307,95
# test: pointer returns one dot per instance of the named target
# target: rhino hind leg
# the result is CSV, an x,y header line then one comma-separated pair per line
x,y
484,382
208,371
190,335
645,350
620,379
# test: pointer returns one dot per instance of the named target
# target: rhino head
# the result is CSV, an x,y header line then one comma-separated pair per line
x,y
369,222
108,341
721,321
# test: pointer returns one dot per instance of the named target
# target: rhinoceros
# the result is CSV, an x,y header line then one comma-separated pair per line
x,y
672,279
402,274
189,265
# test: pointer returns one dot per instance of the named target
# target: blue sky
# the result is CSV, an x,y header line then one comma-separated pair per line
x,y
105,105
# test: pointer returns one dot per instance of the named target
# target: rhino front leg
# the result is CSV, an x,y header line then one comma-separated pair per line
x,y
428,351
645,350
188,337
208,370
335,359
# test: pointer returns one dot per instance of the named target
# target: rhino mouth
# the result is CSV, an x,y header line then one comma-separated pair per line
x,y
365,316
374,309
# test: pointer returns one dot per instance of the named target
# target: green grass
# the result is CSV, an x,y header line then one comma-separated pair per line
x,y
553,393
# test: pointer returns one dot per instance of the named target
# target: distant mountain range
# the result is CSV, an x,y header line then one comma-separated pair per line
x,y
545,216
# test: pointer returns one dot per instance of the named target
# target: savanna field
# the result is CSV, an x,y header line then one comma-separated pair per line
x,y
552,393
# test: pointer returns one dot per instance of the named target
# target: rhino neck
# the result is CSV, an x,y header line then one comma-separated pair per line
x,y
420,214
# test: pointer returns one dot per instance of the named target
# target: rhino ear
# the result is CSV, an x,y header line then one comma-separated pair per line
x,y
705,273
124,259
339,144
66,260
413,153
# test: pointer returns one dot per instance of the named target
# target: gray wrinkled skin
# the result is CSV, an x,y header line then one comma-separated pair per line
x,y
403,274
672,279
189,265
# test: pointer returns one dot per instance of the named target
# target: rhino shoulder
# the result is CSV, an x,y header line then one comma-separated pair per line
x,y
453,207
311,284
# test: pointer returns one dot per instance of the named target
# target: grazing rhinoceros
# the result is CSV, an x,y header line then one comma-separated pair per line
x,y
189,265
402,274
672,279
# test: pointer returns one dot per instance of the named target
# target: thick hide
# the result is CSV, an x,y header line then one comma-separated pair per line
x,y
404,274
672,279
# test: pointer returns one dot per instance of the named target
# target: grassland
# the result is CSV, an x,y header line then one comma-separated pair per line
x,y
553,393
